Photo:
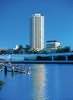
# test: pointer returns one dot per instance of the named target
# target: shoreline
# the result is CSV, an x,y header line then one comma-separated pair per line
x,y
38,62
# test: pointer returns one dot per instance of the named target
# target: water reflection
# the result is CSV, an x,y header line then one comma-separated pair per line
x,y
39,82
39,78
5,73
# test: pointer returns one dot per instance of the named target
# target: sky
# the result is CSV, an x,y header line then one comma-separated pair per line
x,y
15,25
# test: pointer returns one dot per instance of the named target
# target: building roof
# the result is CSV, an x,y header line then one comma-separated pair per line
x,y
52,41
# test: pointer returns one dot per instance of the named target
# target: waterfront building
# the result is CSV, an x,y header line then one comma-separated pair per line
x,y
37,41
52,45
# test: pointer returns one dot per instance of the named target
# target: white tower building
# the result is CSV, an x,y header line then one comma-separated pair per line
x,y
37,32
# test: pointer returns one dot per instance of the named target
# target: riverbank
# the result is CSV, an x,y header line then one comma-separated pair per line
x,y
40,62
54,58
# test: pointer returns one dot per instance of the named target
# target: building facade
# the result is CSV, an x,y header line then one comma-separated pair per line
x,y
52,45
37,41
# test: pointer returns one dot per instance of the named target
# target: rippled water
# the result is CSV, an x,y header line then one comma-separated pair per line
x,y
44,82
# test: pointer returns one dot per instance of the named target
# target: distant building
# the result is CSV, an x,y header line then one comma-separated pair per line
x,y
37,41
17,47
52,45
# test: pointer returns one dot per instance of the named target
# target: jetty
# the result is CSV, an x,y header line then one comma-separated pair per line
x,y
9,67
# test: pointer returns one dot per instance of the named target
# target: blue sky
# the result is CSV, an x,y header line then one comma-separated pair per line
x,y
15,21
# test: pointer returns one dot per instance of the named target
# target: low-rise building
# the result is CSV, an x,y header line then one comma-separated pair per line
x,y
52,45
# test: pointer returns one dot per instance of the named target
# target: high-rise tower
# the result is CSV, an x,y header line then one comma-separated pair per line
x,y
37,32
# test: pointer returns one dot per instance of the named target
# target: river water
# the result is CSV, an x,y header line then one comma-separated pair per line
x,y
42,82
